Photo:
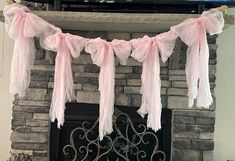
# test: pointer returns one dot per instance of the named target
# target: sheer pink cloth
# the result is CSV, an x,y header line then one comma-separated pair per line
x,y
23,27
66,45
193,33
148,51
102,54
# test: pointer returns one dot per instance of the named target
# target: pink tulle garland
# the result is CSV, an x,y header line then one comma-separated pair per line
x,y
148,50
66,45
23,26
102,54
193,33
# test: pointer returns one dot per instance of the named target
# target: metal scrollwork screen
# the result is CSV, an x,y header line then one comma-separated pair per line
x,y
130,141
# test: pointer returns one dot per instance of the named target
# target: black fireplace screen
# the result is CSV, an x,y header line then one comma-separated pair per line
x,y
78,139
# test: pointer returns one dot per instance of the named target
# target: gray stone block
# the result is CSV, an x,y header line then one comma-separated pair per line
x,y
91,68
20,122
28,137
165,83
41,116
177,91
87,75
179,84
206,136
38,158
179,127
34,103
80,80
183,120
37,123
78,68
41,153
38,84
182,143
90,87
30,109
202,145
186,155
137,69
83,59
163,71
123,69
136,100
119,89
131,89
208,156
29,146
133,62
200,128
186,135
123,99
177,102
22,115
120,82
134,82
35,94
88,97
177,78
212,69
205,120
133,76
22,129
120,76
40,129
177,72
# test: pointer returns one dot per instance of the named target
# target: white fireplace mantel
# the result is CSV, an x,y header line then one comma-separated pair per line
x,y
118,22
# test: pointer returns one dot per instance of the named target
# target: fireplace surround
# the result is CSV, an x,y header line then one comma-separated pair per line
x,y
192,129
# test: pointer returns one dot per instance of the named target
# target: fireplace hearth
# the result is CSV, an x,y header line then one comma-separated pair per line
x,y
191,134
131,140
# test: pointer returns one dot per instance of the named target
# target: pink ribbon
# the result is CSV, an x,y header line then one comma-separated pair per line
x,y
102,54
193,33
23,27
148,50
65,45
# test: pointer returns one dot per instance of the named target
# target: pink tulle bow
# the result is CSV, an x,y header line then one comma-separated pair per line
x,y
23,27
148,51
193,33
102,54
65,45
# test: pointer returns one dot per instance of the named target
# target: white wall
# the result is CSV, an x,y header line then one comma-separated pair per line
x,y
225,95
5,98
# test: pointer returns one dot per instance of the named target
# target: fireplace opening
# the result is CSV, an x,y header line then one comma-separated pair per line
x,y
78,139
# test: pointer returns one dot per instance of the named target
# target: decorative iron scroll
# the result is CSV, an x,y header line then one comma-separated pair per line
x,y
128,142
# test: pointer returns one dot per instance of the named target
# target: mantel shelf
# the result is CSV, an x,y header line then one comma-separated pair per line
x,y
119,22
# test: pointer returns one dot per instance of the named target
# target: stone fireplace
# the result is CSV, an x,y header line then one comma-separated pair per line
x,y
192,129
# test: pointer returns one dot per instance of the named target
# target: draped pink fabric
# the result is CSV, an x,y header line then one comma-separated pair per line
x,y
148,51
193,33
102,54
23,27
66,45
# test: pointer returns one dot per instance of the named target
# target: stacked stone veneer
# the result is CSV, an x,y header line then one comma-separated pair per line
x,y
192,129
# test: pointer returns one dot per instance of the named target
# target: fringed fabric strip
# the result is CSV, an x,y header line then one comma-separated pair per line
x,y
102,54
66,45
193,33
148,50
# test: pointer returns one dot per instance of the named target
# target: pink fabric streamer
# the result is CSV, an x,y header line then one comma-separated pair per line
x,y
148,50
102,54
193,33
23,27
65,45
